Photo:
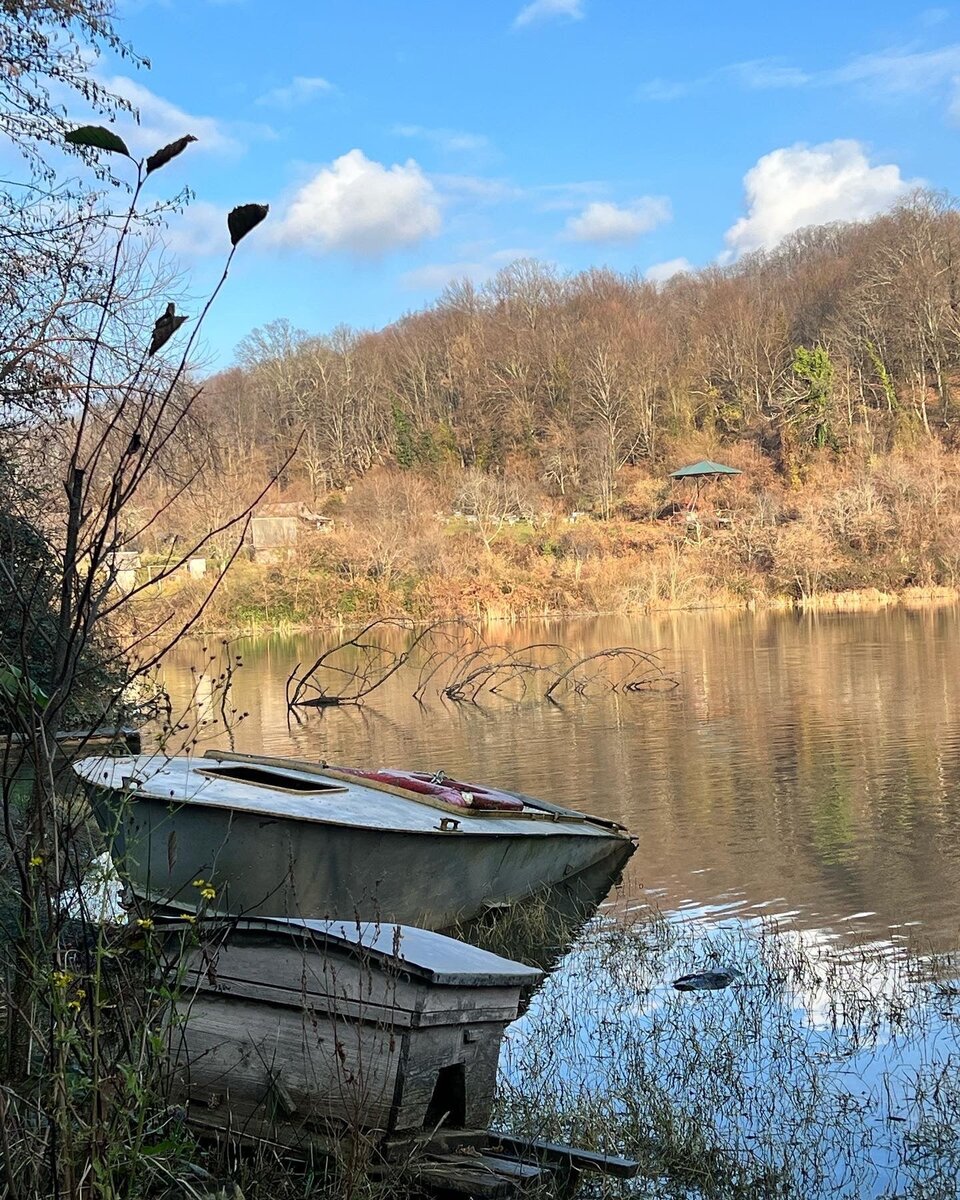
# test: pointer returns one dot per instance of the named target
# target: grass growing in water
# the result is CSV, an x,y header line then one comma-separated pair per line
x,y
826,1070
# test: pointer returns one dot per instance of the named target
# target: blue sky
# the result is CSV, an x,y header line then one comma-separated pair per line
x,y
403,143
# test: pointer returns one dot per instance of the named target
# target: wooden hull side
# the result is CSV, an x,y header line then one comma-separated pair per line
x,y
313,1070
280,867
303,1036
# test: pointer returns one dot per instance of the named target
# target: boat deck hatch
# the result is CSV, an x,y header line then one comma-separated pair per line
x,y
274,779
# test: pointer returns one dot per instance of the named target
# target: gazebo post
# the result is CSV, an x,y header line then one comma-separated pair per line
x,y
700,471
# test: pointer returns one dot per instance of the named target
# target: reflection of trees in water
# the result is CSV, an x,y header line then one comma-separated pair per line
x,y
813,757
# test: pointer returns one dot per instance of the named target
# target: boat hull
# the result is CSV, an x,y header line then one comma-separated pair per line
x,y
276,866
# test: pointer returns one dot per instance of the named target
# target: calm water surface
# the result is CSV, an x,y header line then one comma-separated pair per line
x,y
807,767
797,802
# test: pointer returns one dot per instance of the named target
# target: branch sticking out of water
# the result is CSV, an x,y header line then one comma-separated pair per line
x,y
452,660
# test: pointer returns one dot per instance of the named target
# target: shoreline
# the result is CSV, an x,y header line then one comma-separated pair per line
x,y
848,601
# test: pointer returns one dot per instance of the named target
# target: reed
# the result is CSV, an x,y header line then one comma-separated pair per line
x,y
825,1070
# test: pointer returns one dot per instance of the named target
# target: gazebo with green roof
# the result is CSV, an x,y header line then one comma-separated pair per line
x,y
702,470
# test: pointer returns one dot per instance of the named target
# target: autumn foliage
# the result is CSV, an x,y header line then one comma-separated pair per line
x,y
507,450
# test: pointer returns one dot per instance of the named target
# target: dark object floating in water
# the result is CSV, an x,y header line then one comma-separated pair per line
x,y
708,981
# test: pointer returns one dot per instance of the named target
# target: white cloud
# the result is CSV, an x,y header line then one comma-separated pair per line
x,y
604,222
885,73
544,10
760,74
300,90
479,262
445,139
512,254
895,72
162,122
810,185
756,74
899,71
476,187
670,89
361,206
662,271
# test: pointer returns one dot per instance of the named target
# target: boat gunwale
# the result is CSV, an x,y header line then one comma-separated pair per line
x,y
554,824
555,812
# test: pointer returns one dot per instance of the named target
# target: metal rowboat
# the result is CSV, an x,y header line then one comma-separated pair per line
x,y
282,837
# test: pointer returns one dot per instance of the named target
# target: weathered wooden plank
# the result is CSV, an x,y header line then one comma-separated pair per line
x,y
319,978
239,1053
324,977
369,1011
422,1143
556,1152
469,1091
510,1167
235,1055
462,1179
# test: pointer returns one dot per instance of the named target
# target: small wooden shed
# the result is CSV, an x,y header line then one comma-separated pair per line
x,y
276,527
290,1026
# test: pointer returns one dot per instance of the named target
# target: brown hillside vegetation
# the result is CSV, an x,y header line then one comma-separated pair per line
x,y
452,449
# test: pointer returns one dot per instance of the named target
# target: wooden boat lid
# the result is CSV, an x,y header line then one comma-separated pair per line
x,y
431,956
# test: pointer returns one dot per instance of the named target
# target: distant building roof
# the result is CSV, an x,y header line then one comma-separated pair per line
x,y
703,467
284,508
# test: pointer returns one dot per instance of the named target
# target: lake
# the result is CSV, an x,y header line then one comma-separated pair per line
x,y
807,766
797,802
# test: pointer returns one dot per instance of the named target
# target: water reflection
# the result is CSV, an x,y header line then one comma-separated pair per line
x,y
815,1074
809,764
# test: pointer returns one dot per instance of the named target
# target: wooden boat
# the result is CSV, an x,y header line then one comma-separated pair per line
x,y
312,1035
15,754
346,1024
281,837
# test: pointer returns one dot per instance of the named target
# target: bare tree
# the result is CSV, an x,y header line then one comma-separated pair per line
x,y
100,397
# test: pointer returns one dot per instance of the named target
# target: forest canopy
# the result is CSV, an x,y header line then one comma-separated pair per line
x,y
844,338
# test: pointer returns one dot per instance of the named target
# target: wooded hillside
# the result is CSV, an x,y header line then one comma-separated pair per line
x,y
824,369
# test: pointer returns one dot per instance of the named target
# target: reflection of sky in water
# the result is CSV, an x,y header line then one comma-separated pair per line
x,y
804,777
830,1061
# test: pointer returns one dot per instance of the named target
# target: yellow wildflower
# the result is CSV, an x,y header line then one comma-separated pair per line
x,y
145,922
209,892
61,979
189,918
37,860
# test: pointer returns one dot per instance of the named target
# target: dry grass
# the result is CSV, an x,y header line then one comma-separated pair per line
x,y
848,535
826,1071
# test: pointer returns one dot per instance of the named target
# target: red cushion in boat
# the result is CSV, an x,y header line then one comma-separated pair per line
x,y
450,791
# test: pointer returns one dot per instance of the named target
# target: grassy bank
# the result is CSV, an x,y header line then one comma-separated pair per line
x,y
827,1069
257,599
843,536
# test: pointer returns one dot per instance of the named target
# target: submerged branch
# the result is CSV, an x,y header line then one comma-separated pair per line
x,y
453,660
